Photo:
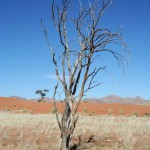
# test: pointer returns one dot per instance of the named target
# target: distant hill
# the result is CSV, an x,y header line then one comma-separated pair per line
x,y
47,99
118,99
18,97
108,99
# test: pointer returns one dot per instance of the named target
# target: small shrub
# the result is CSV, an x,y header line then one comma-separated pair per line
x,y
147,114
136,114
90,114
7,109
39,100
93,112
110,111
121,112
25,110
53,110
85,110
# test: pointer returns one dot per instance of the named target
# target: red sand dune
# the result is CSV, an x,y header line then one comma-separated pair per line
x,y
97,108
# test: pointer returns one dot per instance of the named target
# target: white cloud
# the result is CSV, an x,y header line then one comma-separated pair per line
x,y
54,77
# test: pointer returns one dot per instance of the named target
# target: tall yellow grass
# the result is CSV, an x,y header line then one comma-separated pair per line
x,y
40,132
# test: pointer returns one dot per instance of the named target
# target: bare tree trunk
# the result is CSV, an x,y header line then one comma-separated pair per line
x,y
68,123
42,98
65,142
65,130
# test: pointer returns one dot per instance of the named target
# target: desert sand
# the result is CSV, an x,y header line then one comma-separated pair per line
x,y
85,107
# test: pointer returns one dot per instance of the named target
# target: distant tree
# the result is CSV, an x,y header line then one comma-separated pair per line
x,y
38,92
78,58
42,93
45,90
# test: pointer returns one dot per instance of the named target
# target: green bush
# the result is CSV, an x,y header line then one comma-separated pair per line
x,y
40,100
53,110
136,114
85,110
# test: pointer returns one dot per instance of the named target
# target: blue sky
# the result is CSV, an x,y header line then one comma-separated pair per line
x,y
25,64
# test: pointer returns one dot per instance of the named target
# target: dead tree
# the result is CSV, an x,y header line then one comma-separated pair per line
x,y
82,40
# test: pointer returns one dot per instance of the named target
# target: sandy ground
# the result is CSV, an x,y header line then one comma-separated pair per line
x,y
100,132
89,108
21,130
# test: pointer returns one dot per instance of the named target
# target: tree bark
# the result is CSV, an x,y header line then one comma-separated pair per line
x,y
65,142
67,126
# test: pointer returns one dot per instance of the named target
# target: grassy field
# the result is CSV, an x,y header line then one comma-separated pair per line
x,y
40,132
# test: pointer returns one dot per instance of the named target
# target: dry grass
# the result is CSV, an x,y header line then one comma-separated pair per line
x,y
40,132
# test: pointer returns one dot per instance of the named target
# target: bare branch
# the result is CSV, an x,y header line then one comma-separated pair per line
x,y
52,53
54,102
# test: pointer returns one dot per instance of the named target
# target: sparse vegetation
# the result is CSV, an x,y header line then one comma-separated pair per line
x,y
53,110
110,111
122,111
93,112
85,110
7,109
25,110
136,114
40,132
147,114
18,110
40,100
